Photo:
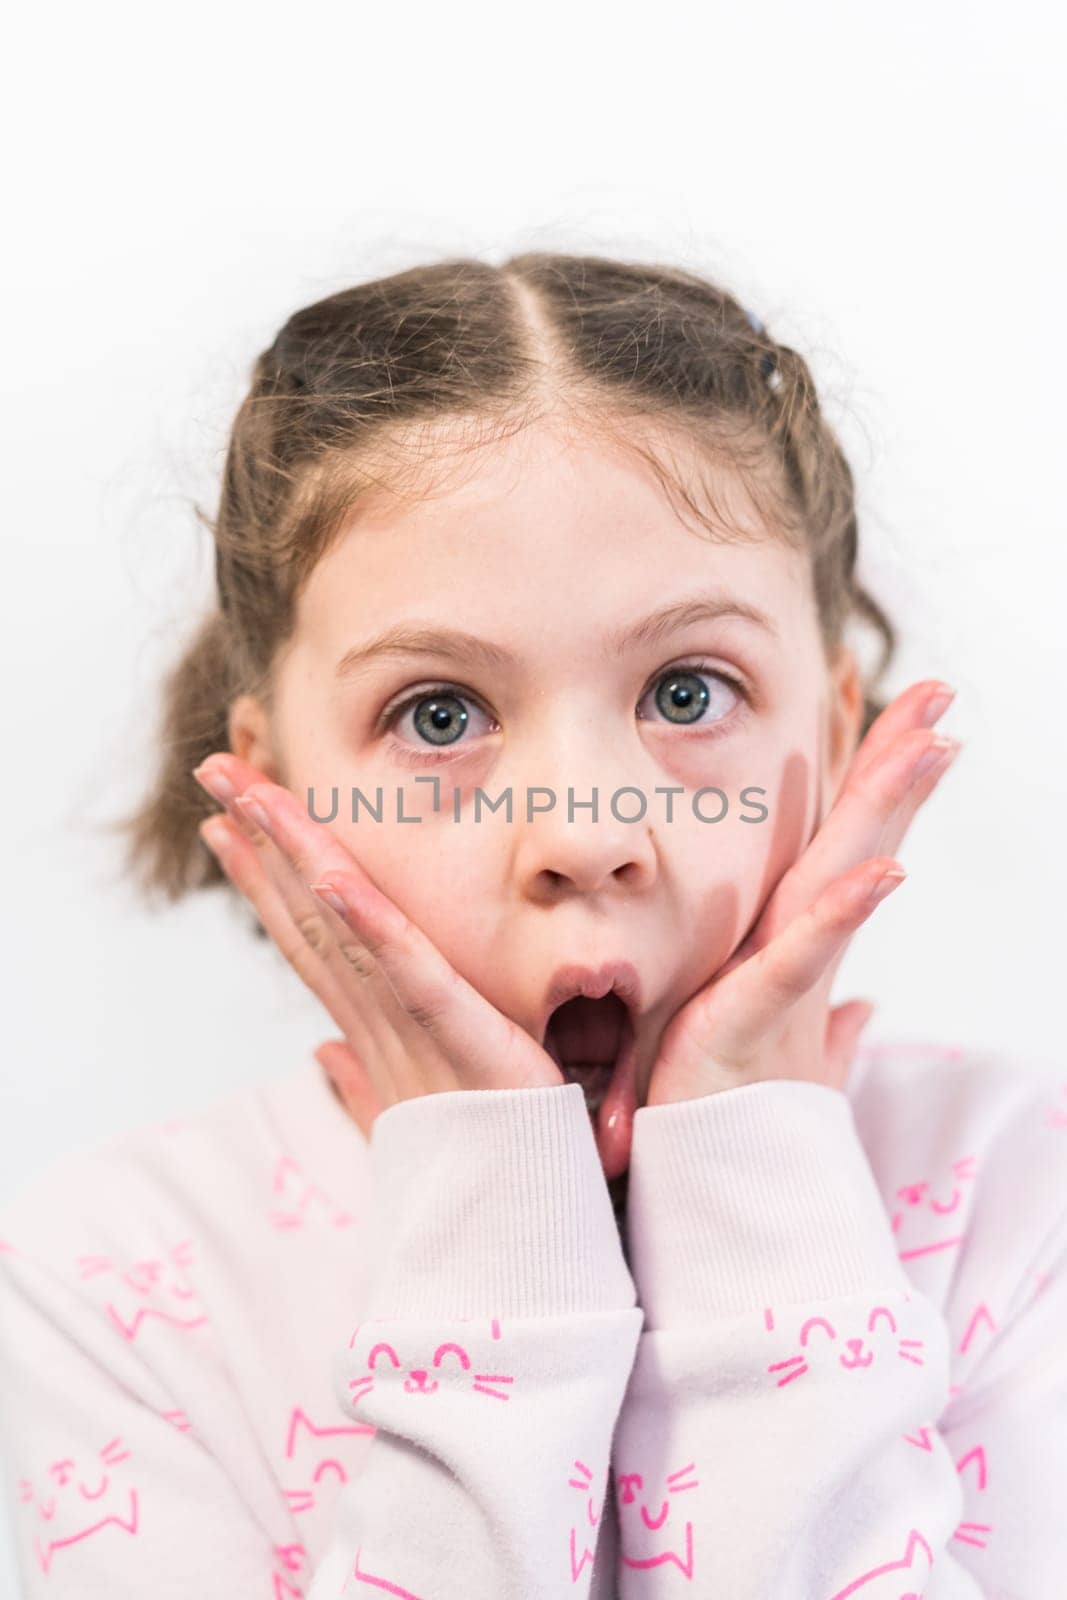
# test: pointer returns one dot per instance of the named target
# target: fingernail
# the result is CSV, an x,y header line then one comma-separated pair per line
x,y
886,884
941,748
217,785
255,813
331,897
938,704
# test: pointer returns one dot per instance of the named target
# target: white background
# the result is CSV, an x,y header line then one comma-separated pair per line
x,y
884,184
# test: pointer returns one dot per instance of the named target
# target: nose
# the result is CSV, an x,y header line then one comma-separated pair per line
x,y
590,859
579,839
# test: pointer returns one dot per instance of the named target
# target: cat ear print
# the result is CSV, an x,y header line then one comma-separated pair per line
x,y
843,1028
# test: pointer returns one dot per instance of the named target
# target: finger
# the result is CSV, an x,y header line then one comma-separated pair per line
x,y
883,775
243,864
844,1026
324,951
310,847
353,1083
225,776
292,857
773,980
922,786
870,815
920,705
434,1002
869,818
351,935
441,1003
437,1000
361,1001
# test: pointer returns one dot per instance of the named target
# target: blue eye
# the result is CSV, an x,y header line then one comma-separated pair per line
x,y
439,715
684,697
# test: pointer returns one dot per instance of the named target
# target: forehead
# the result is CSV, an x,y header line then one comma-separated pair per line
x,y
572,530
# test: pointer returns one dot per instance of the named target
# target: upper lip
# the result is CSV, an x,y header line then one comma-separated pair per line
x,y
611,977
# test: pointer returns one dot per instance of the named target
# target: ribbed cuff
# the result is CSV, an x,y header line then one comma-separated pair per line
x,y
750,1197
492,1202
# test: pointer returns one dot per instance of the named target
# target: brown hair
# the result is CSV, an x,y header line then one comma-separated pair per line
x,y
366,387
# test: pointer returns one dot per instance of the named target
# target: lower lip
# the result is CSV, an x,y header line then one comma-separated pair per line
x,y
613,1119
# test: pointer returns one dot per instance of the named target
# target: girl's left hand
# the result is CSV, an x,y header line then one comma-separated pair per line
x,y
766,1013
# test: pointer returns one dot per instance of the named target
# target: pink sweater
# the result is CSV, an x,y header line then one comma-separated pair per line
x,y
248,1356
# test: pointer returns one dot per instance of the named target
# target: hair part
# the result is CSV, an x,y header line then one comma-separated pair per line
x,y
387,385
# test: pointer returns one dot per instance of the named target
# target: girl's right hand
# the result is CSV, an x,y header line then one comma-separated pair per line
x,y
411,1024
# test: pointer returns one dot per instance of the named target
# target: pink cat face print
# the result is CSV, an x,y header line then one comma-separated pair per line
x,y
297,1203
319,1458
74,1500
929,1216
139,1294
902,1575
441,1366
590,1489
655,1529
822,1339
291,1566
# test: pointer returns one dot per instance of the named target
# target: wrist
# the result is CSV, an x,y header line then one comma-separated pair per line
x,y
741,1200
493,1203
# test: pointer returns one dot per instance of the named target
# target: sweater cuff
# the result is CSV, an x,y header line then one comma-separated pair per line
x,y
750,1196
492,1202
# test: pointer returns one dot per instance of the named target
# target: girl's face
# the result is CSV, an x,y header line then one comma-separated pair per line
x,y
540,611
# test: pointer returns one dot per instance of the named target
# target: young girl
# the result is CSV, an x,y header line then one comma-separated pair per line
x,y
595,1257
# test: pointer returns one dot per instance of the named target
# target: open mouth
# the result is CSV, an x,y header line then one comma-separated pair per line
x,y
588,1039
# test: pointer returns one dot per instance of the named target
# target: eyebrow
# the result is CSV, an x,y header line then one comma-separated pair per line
x,y
414,639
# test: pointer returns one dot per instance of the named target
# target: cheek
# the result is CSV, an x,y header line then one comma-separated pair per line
x,y
770,809
796,809
731,868
722,869
783,777
438,874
